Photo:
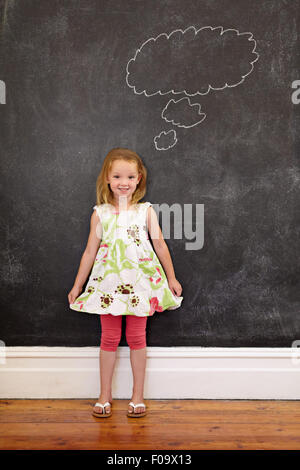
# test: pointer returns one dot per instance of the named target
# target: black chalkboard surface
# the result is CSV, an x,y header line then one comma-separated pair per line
x,y
202,91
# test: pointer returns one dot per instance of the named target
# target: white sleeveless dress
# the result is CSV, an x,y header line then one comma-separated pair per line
x,y
127,277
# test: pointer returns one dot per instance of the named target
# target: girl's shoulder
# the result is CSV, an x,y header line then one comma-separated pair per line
x,y
144,206
102,206
103,209
145,203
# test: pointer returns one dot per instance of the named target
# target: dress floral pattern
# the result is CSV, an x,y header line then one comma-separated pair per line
x,y
127,277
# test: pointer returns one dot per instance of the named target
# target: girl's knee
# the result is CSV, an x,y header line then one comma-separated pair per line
x,y
109,342
111,327
136,341
136,331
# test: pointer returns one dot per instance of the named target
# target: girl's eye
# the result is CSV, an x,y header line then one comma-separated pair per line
x,y
129,177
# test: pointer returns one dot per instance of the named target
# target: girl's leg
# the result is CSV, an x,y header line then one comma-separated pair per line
x,y
136,339
111,329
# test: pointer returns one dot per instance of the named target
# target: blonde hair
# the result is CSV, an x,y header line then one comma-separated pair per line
x,y
103,191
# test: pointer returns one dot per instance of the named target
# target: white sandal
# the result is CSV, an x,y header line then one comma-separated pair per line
x,y
133,414
103,414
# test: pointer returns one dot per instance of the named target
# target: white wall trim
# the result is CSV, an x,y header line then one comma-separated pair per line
x,y
171,373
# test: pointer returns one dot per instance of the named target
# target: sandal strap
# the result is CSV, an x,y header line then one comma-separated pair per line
x,y
138,404
102,406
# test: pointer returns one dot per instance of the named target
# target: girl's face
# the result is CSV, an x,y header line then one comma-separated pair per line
x,y
123,179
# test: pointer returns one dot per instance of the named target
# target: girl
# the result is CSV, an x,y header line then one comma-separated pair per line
x,y
127,277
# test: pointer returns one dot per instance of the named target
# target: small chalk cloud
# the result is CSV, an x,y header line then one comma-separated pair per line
x,y
183,113
165,140
191,62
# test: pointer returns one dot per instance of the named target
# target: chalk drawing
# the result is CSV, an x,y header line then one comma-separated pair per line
x,y
181,110
165,140
191,62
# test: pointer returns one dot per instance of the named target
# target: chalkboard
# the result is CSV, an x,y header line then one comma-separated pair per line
x,y
202,91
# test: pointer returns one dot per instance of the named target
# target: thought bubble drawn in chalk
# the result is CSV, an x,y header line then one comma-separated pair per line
x,y
183,113
165,140
191,62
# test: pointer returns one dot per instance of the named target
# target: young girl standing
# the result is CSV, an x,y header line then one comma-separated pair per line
x,y
127,276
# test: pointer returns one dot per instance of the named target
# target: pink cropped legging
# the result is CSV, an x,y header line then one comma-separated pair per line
x,y
111,331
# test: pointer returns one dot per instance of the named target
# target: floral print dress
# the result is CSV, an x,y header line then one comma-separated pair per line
x,y
127,277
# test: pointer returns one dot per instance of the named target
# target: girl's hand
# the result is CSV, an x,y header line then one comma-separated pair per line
x,y
74,293
175,287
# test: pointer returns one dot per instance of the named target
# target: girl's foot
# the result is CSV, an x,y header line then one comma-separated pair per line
x,y
138,409
103,399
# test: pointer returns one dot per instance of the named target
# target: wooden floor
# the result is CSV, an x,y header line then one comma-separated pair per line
x,y
170,424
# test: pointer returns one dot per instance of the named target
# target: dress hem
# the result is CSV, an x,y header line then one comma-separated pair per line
x,y
129,314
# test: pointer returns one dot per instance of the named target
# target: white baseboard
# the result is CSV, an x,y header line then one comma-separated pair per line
x,y
171,373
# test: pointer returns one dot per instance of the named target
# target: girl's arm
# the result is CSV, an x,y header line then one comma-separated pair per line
x,y
162,251
88,257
